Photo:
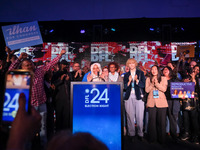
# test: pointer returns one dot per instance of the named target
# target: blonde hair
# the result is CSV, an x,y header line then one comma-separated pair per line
x,y
131,60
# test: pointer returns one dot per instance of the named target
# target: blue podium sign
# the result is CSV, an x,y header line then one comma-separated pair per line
x,y
11,104
22,35
97,108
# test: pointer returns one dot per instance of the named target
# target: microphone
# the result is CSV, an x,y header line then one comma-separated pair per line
x,y
98,73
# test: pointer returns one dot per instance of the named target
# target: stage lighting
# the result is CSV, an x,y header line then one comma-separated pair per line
x,y
151,29
113,29
51,30
82,31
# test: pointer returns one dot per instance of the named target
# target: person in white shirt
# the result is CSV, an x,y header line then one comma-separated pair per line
x,y
113,75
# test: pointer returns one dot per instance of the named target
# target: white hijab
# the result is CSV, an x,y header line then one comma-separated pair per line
x,y
95,77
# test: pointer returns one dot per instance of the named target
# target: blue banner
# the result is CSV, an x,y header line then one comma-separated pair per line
x,y
22,35
97,110
182,89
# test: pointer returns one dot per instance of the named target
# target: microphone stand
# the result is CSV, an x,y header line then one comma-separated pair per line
x,y
98,77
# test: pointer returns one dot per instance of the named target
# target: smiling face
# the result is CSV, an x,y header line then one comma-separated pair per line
x,y
112,68
27,65
95,70
166,72
154,71
196,70
132,66
131,63
105,71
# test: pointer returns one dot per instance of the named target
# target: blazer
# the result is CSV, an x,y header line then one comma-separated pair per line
x,y
138,87
119,79
160,102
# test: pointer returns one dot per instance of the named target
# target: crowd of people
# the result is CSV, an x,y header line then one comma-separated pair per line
x,y
148,105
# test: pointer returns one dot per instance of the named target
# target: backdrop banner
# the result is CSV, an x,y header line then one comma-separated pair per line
x,y
147,53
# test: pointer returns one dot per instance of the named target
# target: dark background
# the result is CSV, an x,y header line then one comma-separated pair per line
x,y
106,20
51,10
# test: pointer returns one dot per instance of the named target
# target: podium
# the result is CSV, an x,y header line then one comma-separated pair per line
x,y
96,107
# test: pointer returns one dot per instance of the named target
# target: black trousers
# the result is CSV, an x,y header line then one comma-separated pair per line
x,y
190,122
50,120
157,124
173,117
62,116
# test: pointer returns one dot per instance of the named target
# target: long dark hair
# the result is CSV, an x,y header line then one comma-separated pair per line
x,y
158,76
171,75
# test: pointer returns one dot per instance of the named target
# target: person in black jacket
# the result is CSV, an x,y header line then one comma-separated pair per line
x,y
190,111
49,90
134,82
77,74
61,80
173,104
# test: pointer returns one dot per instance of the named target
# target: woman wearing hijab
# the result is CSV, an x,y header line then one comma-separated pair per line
x,y
95,75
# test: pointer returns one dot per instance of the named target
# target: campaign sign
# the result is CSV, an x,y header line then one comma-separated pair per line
x,y
96,108
11,104
182,89
22,35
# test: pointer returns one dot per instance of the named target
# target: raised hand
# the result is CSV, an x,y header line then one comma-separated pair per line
x,y
24,126
89,77
23,56
67,77
7,49
63,76
62,52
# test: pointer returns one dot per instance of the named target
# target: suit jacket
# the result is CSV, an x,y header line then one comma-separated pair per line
x,y
119,79
160,102
78,78
138,87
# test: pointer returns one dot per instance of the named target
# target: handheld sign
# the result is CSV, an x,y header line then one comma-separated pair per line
x,y
97,108
22,35
182,89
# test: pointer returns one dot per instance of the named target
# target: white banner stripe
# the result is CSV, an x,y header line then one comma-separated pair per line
x,y
24,40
